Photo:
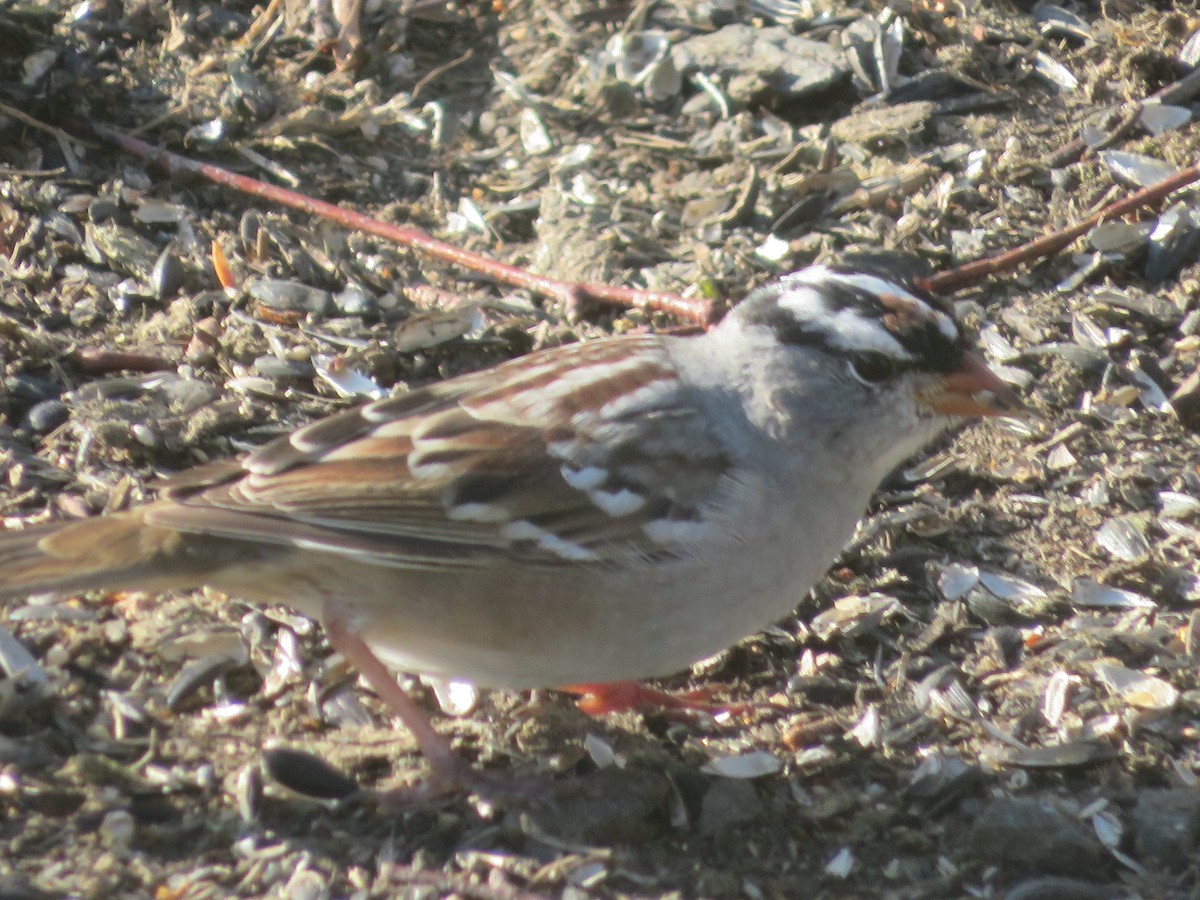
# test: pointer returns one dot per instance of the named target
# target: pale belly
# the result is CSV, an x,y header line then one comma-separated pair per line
x,y
518,628
520,632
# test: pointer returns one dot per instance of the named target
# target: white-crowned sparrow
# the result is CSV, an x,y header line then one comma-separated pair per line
x,y
591,513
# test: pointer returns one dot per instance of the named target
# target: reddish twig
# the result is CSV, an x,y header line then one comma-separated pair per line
x,y
1068,154
103,362
1180,91
951,280
407,236
1177,92
700,312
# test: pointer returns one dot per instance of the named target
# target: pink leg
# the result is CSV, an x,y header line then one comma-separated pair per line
x,y
450,771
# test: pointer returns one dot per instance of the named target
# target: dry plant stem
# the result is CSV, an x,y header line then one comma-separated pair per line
x,y
1176,92
406,236
972,272
1064,156
91,361
64,139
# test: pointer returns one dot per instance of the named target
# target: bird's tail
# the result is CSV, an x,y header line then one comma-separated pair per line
x,y
120,551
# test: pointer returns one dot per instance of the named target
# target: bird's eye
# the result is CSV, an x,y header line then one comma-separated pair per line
x,y
872,368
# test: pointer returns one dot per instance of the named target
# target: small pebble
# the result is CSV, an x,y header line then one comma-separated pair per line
x,y
102,209
354,301
290,295
166,278
23,386
274,367
117,829
730,801
1166,827
307,774
1028,835
44,417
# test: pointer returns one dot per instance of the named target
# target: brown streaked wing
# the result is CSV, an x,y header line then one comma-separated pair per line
x,y
438,477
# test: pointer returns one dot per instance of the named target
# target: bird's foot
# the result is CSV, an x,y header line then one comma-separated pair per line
x,y
626,696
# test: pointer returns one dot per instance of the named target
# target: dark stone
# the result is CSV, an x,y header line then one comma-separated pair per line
x,y
1166,827
610,806
753,61
1034,837
23,386
307,774
730,801
290,296
166,278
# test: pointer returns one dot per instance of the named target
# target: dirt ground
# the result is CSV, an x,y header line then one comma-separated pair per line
x,y
993,694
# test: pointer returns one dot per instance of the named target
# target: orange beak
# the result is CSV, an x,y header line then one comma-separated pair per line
x,y
974,390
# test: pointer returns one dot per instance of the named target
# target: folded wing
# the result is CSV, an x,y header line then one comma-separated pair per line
x,y
575,456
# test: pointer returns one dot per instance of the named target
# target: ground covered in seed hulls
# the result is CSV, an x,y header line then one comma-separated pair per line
x,y
994,693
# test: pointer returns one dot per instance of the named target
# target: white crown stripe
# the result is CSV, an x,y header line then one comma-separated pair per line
x,y
806,302
846,329
850,330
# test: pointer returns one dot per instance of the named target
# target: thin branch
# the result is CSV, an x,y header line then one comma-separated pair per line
x,y
951,280
697,311
93,361
1068,154
407,236
1177,92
